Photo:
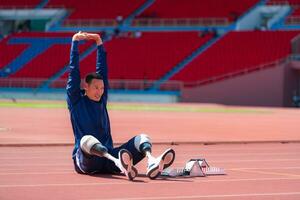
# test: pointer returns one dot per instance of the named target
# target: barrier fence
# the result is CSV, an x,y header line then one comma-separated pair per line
x,y
141,84
181,22
113,84
149,22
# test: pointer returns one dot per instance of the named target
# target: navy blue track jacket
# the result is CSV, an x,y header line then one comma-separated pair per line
x,y
88,117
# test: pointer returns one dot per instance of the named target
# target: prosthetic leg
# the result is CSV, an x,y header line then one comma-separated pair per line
x,y
91,146
155,164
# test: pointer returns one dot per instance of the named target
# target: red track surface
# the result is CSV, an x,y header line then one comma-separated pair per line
x,y
254,171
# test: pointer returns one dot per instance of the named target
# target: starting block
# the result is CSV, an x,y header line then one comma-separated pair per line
x,y
194,168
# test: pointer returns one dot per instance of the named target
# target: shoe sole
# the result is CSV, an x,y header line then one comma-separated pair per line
x,y
126,161
166,161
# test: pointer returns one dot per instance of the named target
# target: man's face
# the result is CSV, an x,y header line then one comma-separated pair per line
x,y
95,89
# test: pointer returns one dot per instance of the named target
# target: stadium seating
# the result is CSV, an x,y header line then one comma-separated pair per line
x,y
295,4
19,4
147,57
294,17
238,51
97,9
296,12
229,9
283,2
45,64
150,55
9,52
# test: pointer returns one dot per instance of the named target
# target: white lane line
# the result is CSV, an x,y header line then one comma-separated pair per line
x,y
210,196
37,164
20,170
35,157
2,129
126,182
195,155
256,160
9,172
254,168
183,148
268,172
180,163
37,173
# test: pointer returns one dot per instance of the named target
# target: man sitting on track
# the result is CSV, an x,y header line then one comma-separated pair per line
x,y
94,151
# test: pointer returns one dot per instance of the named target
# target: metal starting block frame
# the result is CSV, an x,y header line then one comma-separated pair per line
x,y
194,168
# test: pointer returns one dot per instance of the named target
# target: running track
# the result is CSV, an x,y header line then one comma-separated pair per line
x,y
262,160
254,171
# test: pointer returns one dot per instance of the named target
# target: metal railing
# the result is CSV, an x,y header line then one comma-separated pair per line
x,y
113,84
293,20
180,22
142,85
283,2
149,22
17,7
89,22
21,82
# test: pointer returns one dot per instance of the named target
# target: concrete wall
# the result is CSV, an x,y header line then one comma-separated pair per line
x,y
268,87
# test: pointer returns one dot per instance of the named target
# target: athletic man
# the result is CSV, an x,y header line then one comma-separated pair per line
x,y
94,151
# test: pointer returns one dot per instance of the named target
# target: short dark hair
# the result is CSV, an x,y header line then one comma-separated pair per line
x,y
89,77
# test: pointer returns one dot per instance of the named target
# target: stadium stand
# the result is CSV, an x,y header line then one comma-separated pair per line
x,y
283,2
97,9
147,57
296,12
150,43
293,18
10,52
18,4
45,64
95,12
230,9
238,51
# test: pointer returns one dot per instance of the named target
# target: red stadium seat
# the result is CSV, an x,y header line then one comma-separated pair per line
x,y
238,51
9,52
283,2
97,9
19,4
198,9
148,57
44,65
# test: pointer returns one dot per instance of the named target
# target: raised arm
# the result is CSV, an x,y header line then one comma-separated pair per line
x,y
101,65
73,84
